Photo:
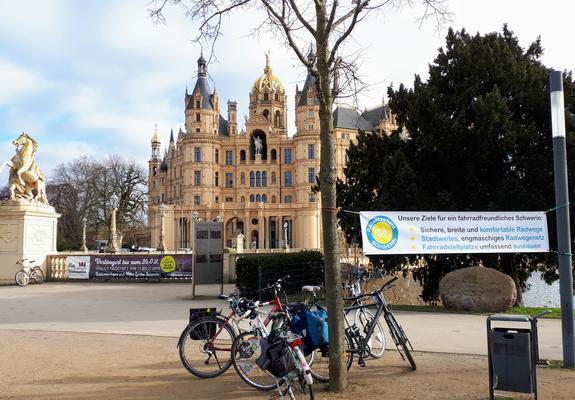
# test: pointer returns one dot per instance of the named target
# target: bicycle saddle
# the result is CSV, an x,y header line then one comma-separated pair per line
x,y
311,289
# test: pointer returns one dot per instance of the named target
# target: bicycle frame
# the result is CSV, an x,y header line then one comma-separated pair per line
x,y
234,320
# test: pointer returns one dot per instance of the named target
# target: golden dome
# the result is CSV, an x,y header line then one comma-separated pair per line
x,y
156,138
268,81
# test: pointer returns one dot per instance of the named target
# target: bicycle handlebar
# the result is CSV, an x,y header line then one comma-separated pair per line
x,y
389,282
536,316
275,286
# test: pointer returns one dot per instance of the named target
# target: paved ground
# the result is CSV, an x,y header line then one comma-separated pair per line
x,y
100,341
44,365
162,310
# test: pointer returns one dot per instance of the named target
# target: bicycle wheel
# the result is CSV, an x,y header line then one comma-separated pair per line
x,y
37,275
22,278
205,347
318,361
245,351
376,342
402,342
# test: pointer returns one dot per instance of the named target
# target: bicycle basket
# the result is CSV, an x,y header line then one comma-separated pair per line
x,y
276,357
204,331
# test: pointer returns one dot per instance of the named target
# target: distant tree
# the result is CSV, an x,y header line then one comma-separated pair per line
x,y
479,139
83,188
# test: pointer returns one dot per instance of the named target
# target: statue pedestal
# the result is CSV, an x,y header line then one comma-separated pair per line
x,y
258,158
27,230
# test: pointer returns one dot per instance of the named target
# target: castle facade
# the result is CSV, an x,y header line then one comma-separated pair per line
x,y
257,181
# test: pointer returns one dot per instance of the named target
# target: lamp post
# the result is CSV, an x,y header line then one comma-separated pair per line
x,y
286,234
84,248
162,244
562,215
193,229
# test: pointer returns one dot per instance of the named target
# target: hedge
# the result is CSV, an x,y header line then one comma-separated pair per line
x,y
256,271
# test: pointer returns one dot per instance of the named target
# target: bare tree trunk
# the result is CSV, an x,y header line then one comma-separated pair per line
x,y
327,177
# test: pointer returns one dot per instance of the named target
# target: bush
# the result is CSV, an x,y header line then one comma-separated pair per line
x,y
256,271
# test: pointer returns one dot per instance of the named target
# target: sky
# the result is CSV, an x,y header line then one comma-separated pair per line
x,y
94,77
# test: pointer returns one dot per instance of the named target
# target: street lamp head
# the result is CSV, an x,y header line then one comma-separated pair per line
x,y
219,218
194,214
84,220
162,209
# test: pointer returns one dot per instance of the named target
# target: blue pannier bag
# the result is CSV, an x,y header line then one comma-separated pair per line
x,y
312,326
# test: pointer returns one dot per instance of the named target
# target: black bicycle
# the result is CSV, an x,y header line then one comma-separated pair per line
x,y
360,341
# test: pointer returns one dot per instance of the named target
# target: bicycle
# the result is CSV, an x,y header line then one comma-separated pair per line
x,y
285,360
319,358
362,318
28,272
246,348
205,345
360,342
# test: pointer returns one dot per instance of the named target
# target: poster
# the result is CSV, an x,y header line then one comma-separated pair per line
x,y
78,267
413,232
142,266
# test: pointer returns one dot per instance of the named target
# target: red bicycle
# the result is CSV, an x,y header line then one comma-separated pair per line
x,y
205,345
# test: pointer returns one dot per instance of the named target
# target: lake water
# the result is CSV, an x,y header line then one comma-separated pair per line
x,y
541,294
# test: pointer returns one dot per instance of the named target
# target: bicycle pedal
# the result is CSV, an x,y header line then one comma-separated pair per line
x,y
361,363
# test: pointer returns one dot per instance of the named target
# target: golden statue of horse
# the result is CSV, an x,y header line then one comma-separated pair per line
x,y
25,174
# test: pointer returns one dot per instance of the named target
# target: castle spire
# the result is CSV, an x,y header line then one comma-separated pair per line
x,y
202,68
171,136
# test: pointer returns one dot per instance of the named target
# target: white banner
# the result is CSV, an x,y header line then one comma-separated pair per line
x,y
78,267
414,232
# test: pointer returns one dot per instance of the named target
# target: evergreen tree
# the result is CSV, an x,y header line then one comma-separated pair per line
x,y
479,140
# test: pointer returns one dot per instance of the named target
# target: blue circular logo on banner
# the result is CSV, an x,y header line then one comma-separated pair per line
x,y
382,232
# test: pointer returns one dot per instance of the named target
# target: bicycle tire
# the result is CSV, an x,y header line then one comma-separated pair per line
x,y
37,275
361,319
22,278
320,371
245,351
203,340
402,343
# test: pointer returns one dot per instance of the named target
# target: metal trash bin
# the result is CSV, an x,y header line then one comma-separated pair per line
x,y
512,355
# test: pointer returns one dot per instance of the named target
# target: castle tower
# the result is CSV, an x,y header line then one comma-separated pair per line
x,y
202,105
232,118
268,98
307,102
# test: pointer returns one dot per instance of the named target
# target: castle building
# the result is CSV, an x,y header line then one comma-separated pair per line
x,y
257,181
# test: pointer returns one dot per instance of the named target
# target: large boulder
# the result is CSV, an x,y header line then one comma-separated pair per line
x,y
477,289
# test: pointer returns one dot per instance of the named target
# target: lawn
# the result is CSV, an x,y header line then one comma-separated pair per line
x,y
555,312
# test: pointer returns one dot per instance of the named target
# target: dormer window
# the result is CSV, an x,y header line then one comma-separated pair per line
x,y
277,97
266,97
197,104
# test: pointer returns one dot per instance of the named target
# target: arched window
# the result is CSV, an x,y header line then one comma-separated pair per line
x,y
274,155
264,198
273,178
267,114
252,198
277,119
252,179
264,179
258,198
277,97
242,156
243,178
258,178
243,199
266,96
273,199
